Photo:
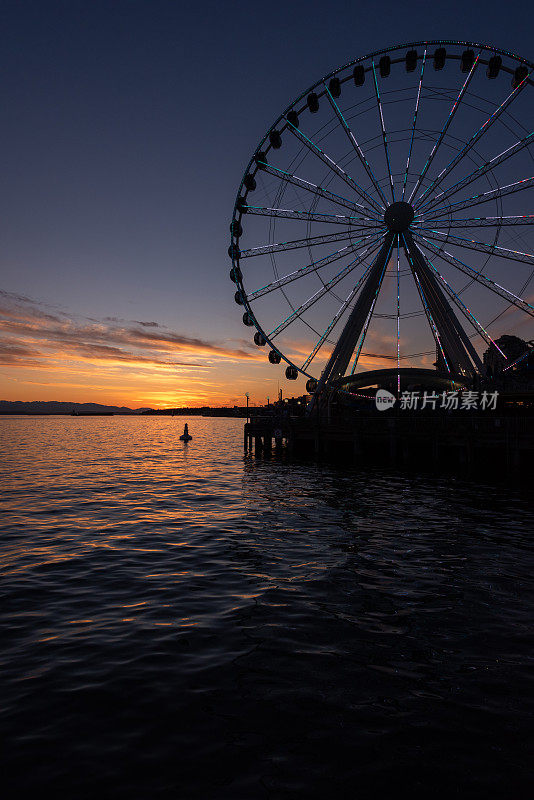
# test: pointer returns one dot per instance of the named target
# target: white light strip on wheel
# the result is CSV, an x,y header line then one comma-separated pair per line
x,y
356,146
413,125
479,172
477,276
474,139
448,121
321,292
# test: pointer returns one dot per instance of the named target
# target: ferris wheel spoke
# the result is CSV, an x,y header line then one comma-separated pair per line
x,y
398,317
445,128
296,244
482,247
356,146
483,197
310,216
481,279
474,139
479,328
476,222
335,320
331,164
325,289
308,269
300,183
414,123
494,162
384,134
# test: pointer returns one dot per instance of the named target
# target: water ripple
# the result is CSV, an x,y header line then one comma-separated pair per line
x,y
178,621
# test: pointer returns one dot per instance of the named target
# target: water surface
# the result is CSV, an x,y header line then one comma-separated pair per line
x,y
181,621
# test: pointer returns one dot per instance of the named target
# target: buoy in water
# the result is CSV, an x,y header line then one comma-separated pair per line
x,y
185,436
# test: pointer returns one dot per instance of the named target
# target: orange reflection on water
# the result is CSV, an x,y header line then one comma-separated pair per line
x,y
118,508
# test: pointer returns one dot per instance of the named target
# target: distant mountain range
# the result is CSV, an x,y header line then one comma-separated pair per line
x,y
54,407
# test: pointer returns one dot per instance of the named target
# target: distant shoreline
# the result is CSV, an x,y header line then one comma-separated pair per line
x,y
65,409
239,413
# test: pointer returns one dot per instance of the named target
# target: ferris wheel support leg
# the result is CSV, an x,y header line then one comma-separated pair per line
x,y
458,348
340,358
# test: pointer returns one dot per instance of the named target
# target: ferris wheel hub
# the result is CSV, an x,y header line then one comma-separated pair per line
x,y
399,216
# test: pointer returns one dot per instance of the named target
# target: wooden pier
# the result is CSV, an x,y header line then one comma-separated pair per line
x,y
486,442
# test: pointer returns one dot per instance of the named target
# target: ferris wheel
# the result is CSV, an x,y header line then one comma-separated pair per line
x,y
384,221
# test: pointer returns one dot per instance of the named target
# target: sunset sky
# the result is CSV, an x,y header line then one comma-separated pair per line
x,y
126,127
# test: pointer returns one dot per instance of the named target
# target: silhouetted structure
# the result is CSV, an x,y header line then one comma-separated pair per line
x,y
515,367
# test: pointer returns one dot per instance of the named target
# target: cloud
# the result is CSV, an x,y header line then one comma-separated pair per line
x,y
32,337
12,297
135,321
12,353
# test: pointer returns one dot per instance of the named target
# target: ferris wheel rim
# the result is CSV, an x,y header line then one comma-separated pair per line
x,y
370,213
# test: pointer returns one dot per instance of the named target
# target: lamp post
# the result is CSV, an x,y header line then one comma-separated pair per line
x,y
247,396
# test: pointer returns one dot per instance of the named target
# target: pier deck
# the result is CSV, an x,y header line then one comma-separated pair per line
x,y
487,441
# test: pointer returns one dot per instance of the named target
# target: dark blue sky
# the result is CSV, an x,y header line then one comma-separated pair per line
x,y
126,126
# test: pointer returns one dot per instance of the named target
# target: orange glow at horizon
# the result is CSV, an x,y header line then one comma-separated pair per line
x,y
48,356
111,384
